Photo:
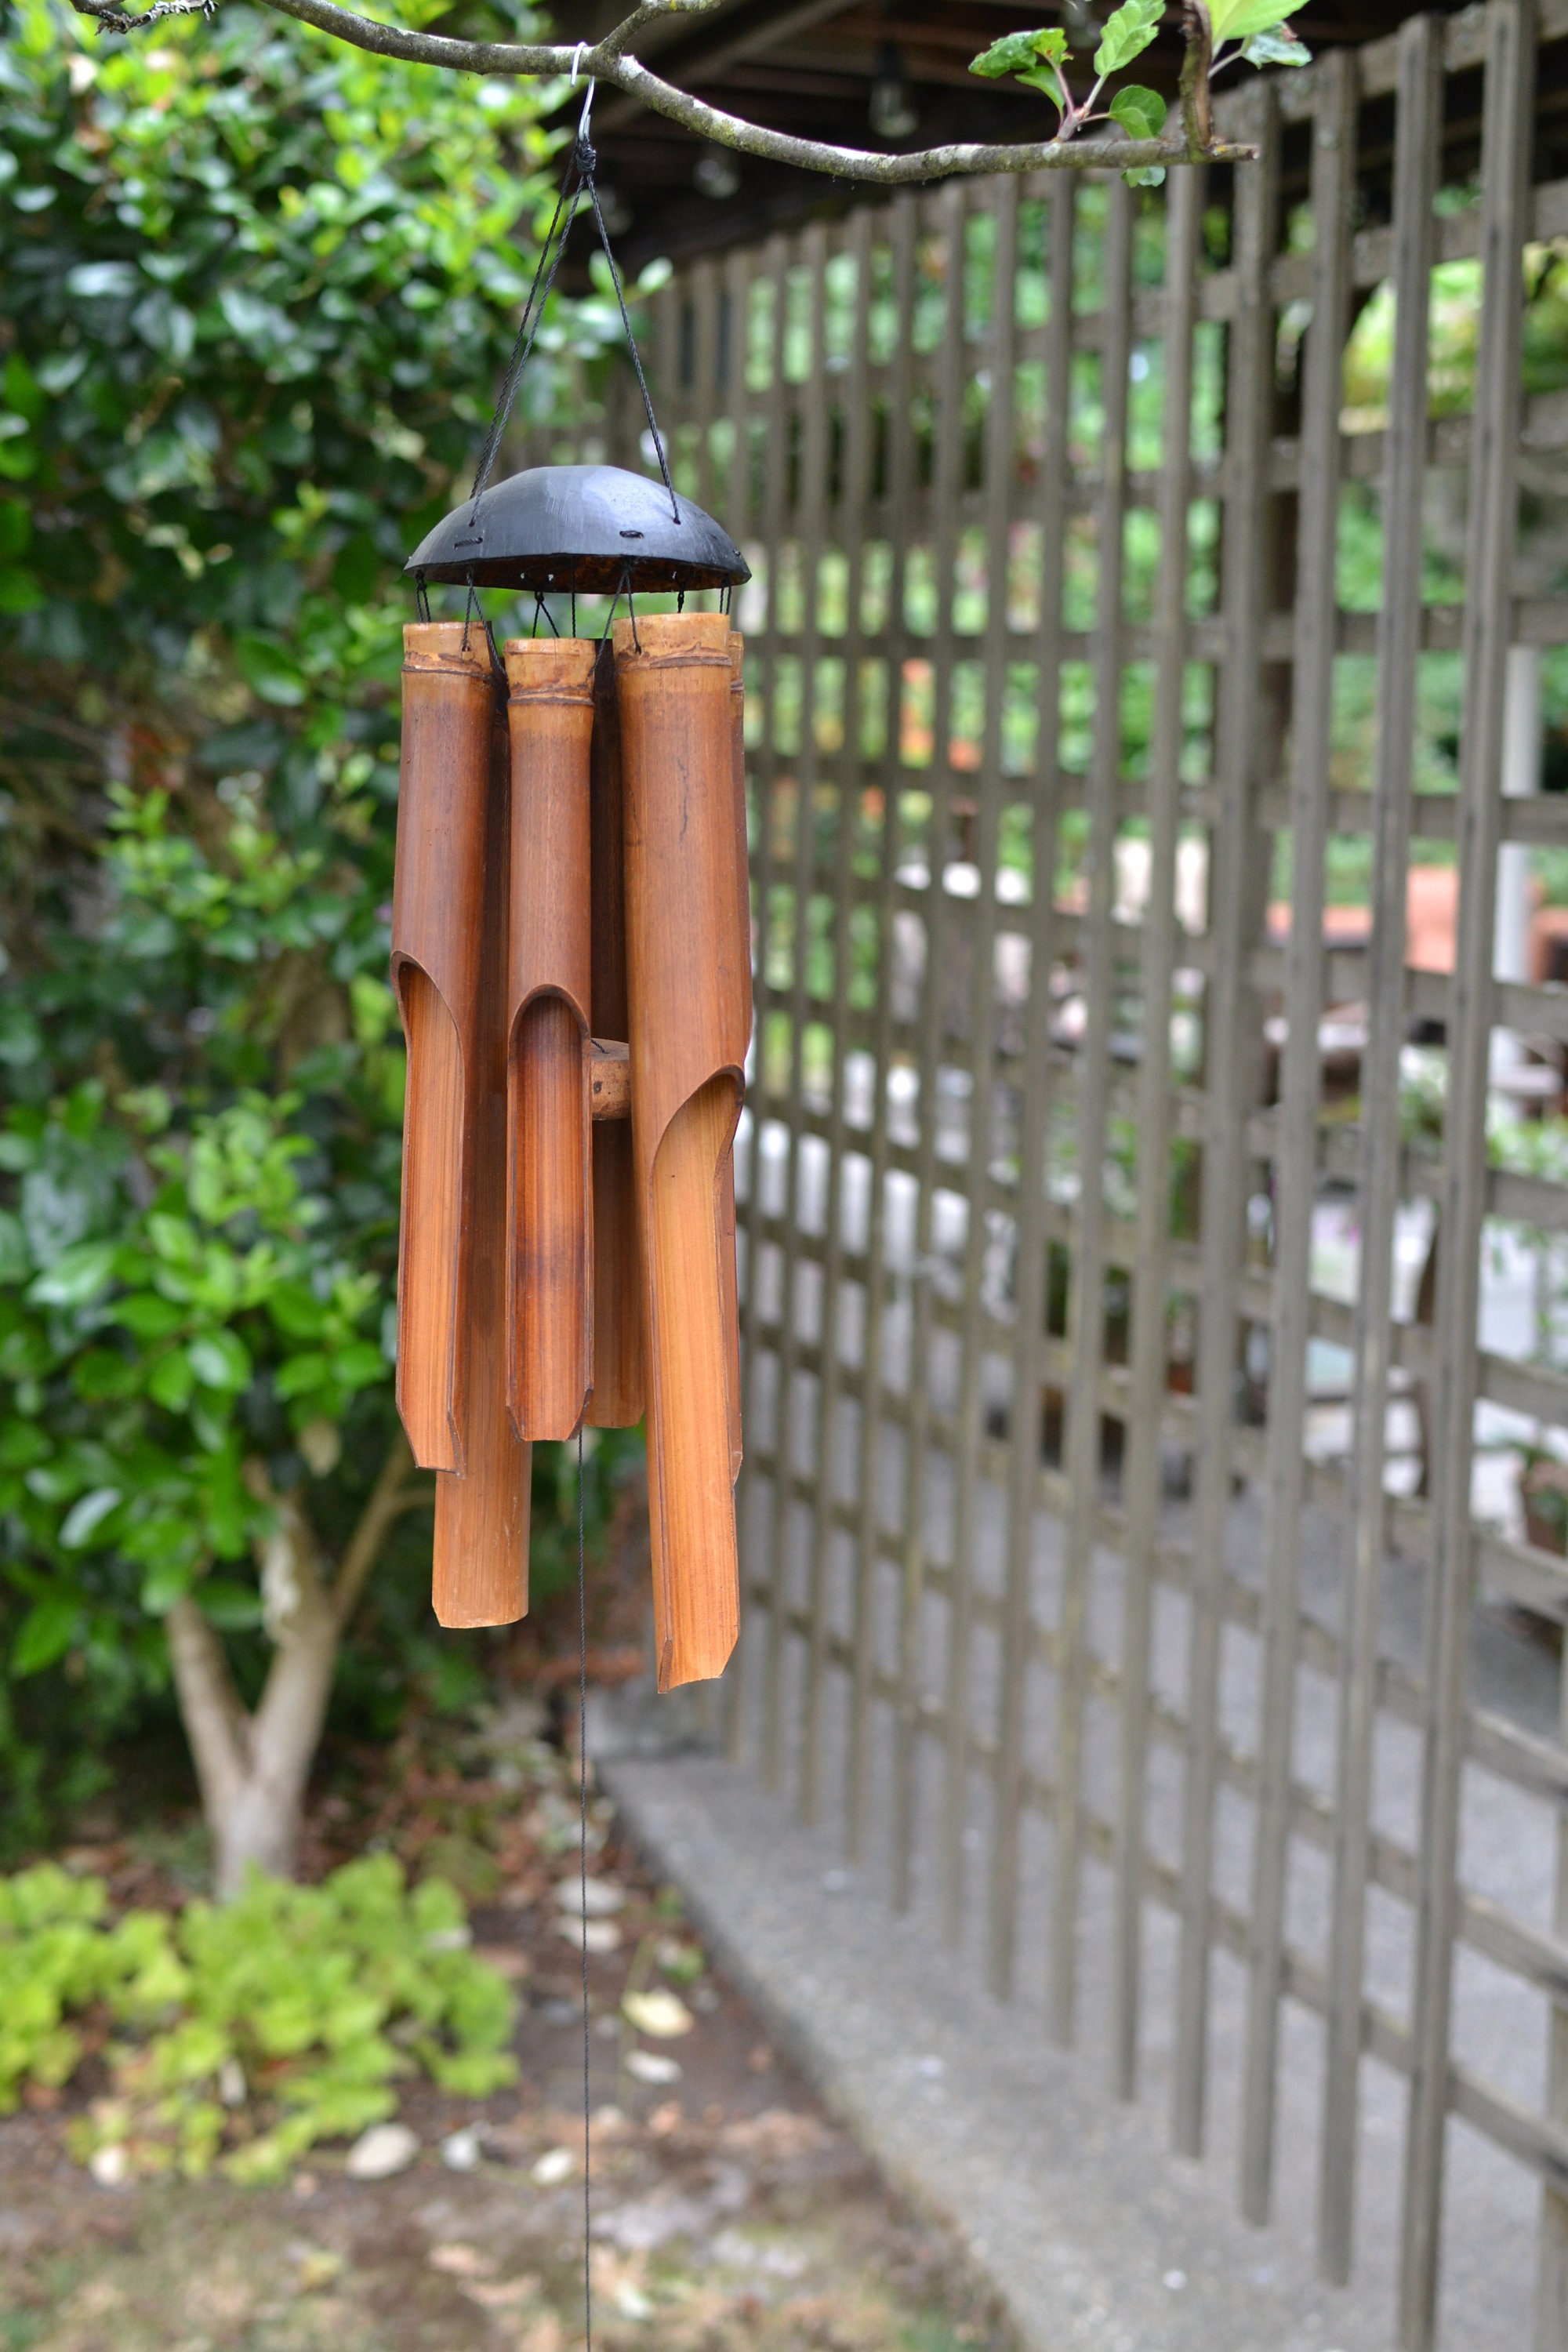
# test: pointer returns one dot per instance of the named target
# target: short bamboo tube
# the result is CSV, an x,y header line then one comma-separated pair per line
x,y
688,975
480,1572
619,1385
549,1244
437,907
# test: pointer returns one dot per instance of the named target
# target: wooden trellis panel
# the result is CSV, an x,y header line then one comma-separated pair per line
x,y
1045,487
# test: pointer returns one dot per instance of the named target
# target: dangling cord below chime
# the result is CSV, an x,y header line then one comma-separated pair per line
x,y
583,1886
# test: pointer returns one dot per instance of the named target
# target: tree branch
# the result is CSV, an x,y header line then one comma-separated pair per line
x,y
385,1501
609,63
216,1722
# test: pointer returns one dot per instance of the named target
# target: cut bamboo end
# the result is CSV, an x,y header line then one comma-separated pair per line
x,y
697,1582
674,636
548,668
447,645
549,1277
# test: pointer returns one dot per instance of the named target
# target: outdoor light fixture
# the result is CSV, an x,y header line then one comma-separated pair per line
x,y
717,173
893,112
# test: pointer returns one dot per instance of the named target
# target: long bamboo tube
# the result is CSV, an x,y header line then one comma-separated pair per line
x,y
743,933
618,1334
549,1244
481,1518
687,966
437,904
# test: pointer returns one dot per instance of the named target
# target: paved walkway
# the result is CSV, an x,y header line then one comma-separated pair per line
x,y
1093,2232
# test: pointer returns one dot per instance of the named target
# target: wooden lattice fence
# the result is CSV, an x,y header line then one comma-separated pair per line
x,y
1078,1590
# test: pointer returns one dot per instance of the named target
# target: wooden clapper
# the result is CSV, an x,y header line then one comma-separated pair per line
x,y
571,948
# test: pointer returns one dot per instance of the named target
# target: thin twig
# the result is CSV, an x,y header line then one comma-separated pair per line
x,y
610,64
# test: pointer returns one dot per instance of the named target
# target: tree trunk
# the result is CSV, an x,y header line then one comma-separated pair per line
x,y
252,1768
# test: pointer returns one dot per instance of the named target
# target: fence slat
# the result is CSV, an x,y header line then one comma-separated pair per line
x,y
1492,530
1296,1156
809,409
902,223
947,462
1030,1257
980,1042
1225,1170
766,762
1086,1308
855,471
1148,1338
1417,132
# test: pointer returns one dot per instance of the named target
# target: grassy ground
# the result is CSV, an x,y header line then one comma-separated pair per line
x,y
729,2213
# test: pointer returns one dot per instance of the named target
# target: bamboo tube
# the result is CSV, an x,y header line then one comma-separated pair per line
x,y
618,1340
550,1263
743,932
687,993
481,1518
436,903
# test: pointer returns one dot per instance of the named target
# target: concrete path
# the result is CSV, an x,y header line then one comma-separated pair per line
x,y
1095,2235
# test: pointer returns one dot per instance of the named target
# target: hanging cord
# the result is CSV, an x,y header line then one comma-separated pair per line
x,y
583,1881
550,252
631,339
579,173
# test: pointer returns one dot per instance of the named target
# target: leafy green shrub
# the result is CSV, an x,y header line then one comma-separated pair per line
x,y
244,2033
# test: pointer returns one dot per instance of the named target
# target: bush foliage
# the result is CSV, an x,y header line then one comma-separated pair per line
x,y
241,2036
259,290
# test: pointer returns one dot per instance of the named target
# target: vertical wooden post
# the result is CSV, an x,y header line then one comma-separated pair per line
x,y
687,1002
1150,1338
436,906
1091,1093
1493,526
1225,1030
1417,132
549,1116
1296,1156
1031,1247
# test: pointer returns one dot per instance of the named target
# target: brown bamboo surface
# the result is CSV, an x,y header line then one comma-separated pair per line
x,y
618,1334
480,1575
727,1272
550,1234
684,957
437,894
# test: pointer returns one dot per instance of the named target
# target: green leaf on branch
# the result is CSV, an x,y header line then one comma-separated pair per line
x,y
1240,20
1034,58
1128,34
1140,112
1017,53
1277,47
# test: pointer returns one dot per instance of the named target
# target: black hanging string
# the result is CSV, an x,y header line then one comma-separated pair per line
x,y
583,1881
580,172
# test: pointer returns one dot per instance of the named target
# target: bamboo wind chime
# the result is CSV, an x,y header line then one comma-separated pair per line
x,y
571,950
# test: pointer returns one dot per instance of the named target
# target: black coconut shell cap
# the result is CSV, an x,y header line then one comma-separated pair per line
x,y
590,530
